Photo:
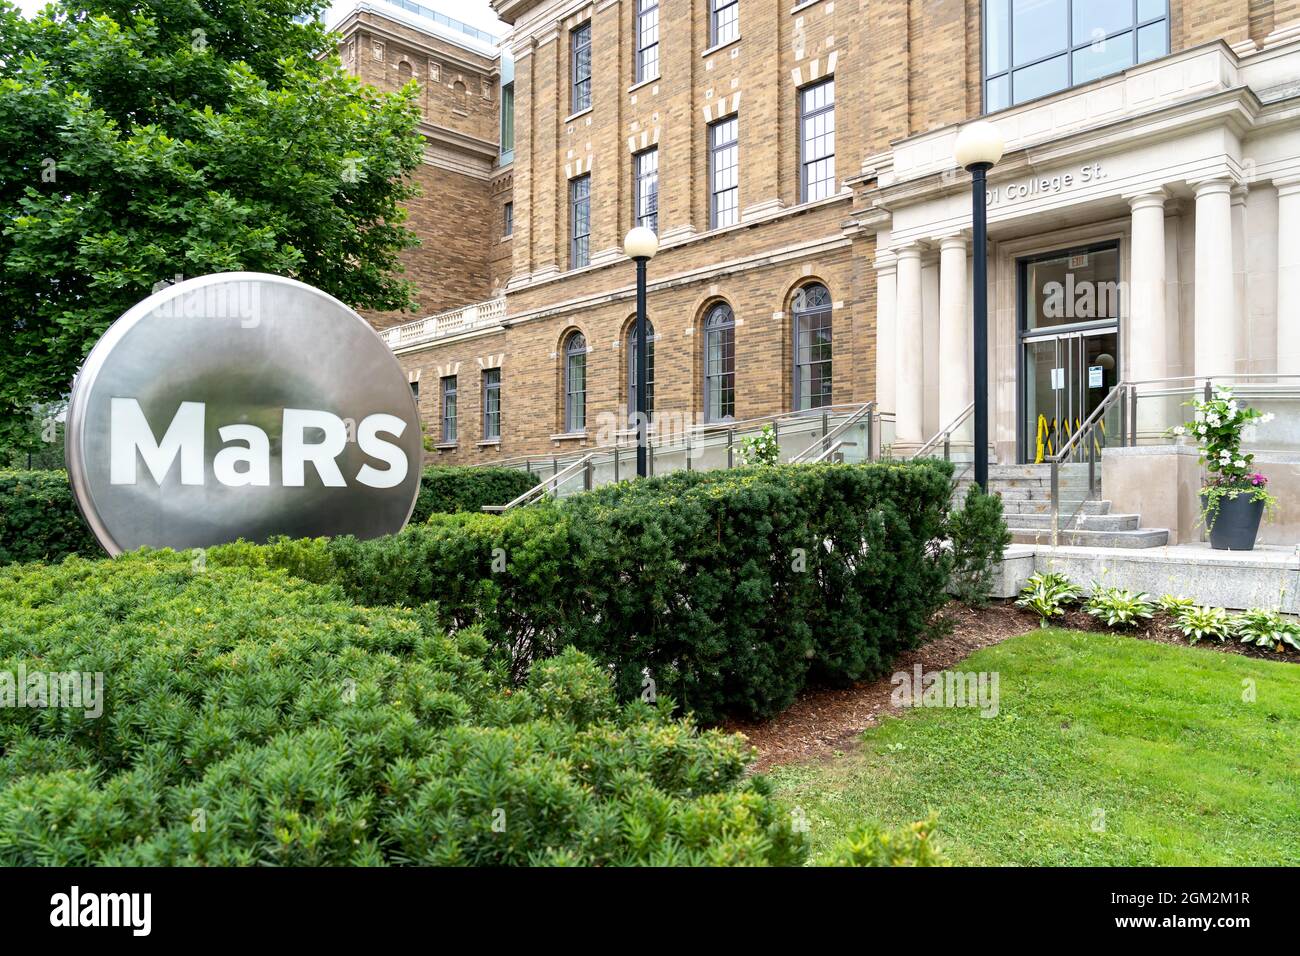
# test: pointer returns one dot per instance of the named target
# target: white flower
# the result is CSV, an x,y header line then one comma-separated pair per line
x,y
1232,405
1266,418
1180,431
1215,421
1240,463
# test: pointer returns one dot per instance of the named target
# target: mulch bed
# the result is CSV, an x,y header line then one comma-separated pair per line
x,y
825,722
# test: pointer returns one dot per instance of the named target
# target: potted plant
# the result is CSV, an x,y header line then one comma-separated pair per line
x,y
1234,496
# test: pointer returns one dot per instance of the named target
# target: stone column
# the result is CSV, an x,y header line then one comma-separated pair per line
x,y
886,337
955,345
1216,337
1288,276
909,379
1146,340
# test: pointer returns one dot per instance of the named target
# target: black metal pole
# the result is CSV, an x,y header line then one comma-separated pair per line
x,y
979,222
642,356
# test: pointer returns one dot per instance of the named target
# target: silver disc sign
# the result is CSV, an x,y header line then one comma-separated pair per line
x,y
241,405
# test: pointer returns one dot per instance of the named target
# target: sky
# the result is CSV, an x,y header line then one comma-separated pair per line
x,y
476,13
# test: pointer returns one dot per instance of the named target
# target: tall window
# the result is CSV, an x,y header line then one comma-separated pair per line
x,y
812,347
1036,47
817,141
724,21
647,39
579,222
507,119
720,363
580,53
575,383
649,371
724,173
491,404
646,189
449,409
508,220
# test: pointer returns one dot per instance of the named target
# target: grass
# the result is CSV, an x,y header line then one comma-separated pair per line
x,y
1106,751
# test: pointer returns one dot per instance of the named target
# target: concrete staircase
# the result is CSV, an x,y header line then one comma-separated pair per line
x,y
1026,492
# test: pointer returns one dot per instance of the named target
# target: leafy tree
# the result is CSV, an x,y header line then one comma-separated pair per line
x,y
142,139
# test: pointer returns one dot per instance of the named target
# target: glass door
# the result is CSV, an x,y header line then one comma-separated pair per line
x,y
1069,305
1066,377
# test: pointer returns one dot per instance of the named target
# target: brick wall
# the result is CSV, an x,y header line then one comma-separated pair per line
x,y
901,67
461,192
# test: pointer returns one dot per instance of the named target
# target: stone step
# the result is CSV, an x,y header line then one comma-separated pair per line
x,y
1139,538
1025,506
1085,522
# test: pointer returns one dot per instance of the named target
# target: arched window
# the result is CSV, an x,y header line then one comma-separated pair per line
x,y
631,371
812,347
720,364
575,383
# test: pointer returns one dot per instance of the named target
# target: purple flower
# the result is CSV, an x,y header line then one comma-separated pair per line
x,y
1258,480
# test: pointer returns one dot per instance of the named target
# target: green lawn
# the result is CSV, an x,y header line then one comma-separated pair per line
x,y
1158,737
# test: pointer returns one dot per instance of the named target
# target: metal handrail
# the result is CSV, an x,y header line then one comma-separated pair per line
x,y
692,433
830,453
831,434
945,434
1065,452
536,492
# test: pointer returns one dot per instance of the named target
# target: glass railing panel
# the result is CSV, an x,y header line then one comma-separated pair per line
x,y
798,435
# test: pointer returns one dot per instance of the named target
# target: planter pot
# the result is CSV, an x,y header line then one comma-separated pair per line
x,y
1236,524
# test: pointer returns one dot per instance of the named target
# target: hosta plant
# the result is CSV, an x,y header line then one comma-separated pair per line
x,y
1119,607
1197,622
1047,595
1267,629
1172,604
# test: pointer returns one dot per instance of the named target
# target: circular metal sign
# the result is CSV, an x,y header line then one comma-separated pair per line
x,y
241,405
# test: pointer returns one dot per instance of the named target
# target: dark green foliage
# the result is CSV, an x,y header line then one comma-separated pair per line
x,y
251,718
39,520
979,537
450,490
726,591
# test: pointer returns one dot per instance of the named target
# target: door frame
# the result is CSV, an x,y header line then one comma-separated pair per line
x,y
1062,331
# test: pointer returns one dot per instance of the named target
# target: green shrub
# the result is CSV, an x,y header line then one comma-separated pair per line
x,y
251,718
1172,604
869,846
39,520
446,490
979,538
726,591
1118,607
1267,629
1197,622
1047,595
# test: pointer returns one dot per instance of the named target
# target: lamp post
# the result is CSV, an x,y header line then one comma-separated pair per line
x,y
979,145
640,245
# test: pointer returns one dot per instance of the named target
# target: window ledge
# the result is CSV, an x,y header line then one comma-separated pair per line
x,y
489,443
446,446
640,83
722,46
800,7
570,436
573,116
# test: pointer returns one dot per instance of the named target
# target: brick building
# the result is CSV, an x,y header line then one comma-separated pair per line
x,y
796,162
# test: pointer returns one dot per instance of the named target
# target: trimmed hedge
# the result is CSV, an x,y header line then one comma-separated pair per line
x,y
727,591
252,718
449,490
39,520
